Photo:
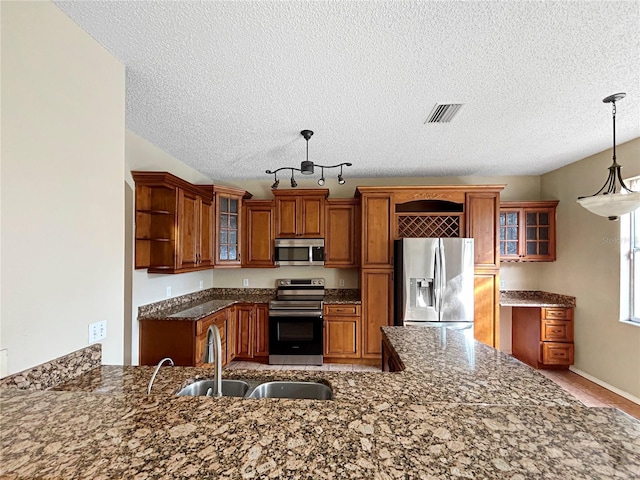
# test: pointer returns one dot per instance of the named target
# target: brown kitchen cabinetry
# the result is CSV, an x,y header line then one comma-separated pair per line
x,y
342,331
258,233
528,231
341,233
252,331
174,226
390,360
228,226
300,213
377,242
377,309
543,337
184,341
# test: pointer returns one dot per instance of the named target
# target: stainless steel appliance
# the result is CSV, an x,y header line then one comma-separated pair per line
x,y
434,282
299,251
296,322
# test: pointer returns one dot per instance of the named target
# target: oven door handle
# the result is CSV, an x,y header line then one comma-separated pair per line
x,y
285,313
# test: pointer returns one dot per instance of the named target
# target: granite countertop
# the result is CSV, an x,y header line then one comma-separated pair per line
x,y
459,409
535,298
202,304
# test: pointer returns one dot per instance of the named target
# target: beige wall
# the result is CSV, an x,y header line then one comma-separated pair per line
x,y
62,188
149,288
588,268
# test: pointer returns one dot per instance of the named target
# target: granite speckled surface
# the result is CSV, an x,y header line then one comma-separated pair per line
x,y
207,302
535,298
460,409
56,371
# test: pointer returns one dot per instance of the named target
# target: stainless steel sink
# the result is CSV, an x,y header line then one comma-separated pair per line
x,y
298,390
230,388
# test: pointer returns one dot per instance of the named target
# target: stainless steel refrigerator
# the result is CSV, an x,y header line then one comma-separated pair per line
x,y
433,281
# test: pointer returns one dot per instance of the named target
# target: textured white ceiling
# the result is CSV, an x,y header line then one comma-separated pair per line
x,y
226,87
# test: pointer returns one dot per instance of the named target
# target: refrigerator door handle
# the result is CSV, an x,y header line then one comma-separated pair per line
x,y
436,278
443,274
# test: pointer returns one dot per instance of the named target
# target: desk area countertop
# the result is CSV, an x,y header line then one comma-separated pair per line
x,y
535,298
459,408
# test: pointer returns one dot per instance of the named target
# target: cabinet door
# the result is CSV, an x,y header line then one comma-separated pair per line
x,y
485,309
286,216
228,209
188,218
342,337
262,331
340,231
482,224
258,233
311,217
510,219
207,220
232,331
377,309
377,246
245,331
539,234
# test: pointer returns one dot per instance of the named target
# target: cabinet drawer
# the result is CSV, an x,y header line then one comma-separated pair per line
x,y
556,331
557,353
341,310
557,313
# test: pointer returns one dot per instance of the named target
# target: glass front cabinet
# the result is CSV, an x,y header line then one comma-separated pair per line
x,y
528,231
228,226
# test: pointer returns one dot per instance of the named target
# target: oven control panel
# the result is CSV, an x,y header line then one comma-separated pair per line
x,y
286,282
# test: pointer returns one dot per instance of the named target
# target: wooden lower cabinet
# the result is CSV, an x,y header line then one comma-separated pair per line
x,y
377,309
390,360
252,331
543,337
486,309
184,341
342,331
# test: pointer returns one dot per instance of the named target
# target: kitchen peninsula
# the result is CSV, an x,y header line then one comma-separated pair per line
x,y
459,408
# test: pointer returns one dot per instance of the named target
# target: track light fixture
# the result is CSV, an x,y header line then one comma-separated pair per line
x,y
307,167
612,201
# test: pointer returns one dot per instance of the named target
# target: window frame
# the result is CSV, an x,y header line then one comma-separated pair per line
x,y
630,262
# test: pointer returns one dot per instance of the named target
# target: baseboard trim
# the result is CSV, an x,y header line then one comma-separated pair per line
x,y
615,390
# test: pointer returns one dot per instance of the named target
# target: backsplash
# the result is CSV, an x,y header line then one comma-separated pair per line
x,y
62,369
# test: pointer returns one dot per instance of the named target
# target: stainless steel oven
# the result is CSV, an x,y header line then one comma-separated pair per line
x,y
296,322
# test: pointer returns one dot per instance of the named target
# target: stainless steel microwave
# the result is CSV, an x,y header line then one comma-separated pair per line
x,y
299,251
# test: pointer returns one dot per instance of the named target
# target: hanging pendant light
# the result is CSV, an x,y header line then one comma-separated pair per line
x,y
307,167
610,201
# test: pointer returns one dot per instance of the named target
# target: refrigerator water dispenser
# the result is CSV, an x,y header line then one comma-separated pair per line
x,y
421,292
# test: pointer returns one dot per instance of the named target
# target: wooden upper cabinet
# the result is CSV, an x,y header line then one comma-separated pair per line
x,y
528,231
257,233
377,244
300,213
341,237
174,229
228,226
482,210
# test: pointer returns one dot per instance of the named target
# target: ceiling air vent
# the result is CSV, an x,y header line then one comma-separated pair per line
x,y
443,112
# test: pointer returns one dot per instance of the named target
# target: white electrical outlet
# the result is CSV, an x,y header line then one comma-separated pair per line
x,y
168,291
245,282
341,282
201,284
501,284
97,331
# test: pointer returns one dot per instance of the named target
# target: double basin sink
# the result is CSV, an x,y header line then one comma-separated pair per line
x,y
242,389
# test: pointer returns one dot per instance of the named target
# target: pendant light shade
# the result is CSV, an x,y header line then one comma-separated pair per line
x,y
612,200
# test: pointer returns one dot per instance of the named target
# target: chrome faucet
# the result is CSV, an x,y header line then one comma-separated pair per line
x,y
153,377
213,352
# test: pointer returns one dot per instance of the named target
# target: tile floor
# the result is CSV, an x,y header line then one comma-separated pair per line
x,y
589,393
